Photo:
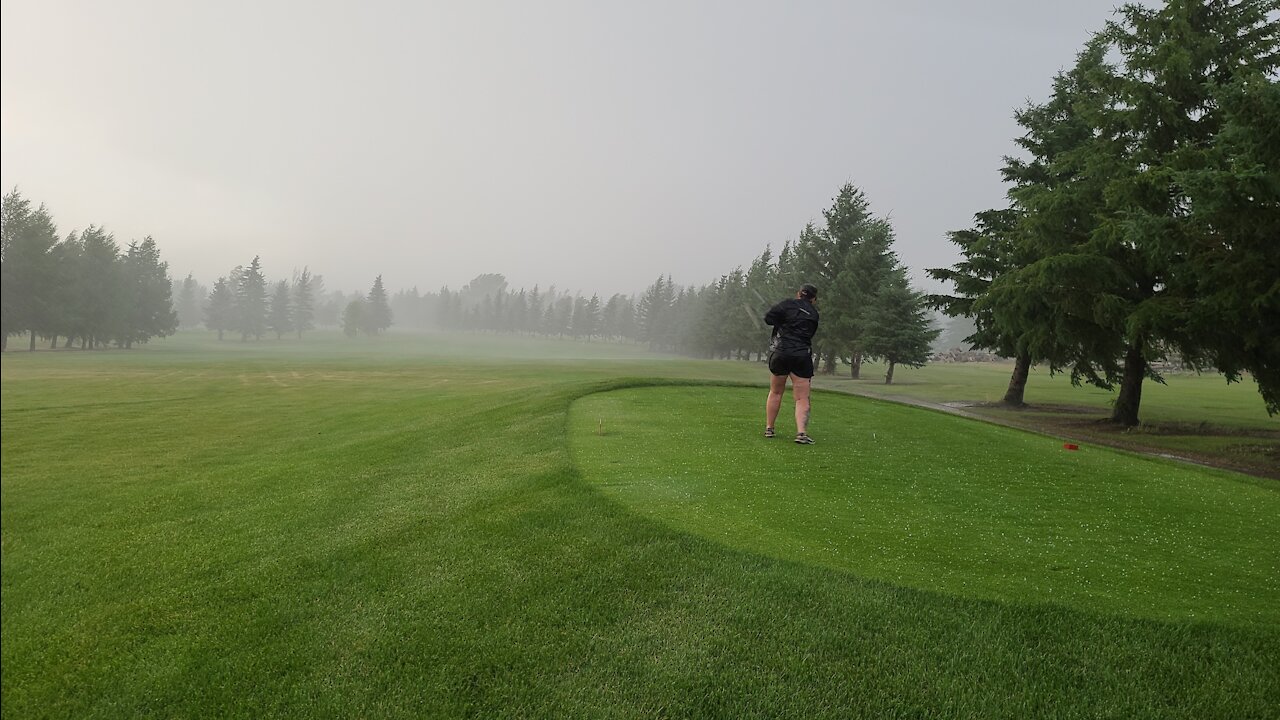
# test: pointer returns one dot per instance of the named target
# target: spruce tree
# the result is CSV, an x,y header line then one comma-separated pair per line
x,y
251,301
220,309
190,300
897,326
303,303
1195,102
147,295
99,298
280,314
28,268
991,251
377,313
353,317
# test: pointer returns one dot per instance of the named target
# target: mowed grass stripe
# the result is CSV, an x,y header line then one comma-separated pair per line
x,y
933,501
398,546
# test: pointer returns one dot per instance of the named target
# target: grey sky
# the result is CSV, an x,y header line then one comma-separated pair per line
x,y
591,145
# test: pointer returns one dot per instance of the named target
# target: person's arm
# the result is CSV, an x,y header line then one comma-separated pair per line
x,y
775,315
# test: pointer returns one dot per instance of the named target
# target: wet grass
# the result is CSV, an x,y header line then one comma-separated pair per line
x,y
1199,417
942,503
398,529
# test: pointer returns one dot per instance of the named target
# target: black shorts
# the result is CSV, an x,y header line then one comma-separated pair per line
x,y
798,365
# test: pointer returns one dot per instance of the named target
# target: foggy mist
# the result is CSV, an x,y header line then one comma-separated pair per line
x,y
592,146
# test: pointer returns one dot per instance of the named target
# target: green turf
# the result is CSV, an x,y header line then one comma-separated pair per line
x,y
942,503
1184,396
335,528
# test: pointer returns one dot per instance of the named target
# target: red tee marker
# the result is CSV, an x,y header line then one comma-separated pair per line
x,y
1070,446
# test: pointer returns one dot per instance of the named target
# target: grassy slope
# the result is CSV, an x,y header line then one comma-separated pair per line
x,y
398,530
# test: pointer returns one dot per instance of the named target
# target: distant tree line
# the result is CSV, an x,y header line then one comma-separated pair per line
x,y
1144,218
245,303
83,288
88,290
327,306
869,309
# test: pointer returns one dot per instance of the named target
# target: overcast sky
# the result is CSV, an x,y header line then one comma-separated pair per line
x,y
592,145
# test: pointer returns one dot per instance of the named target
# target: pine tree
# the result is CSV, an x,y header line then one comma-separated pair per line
x,y
251,301
191,296
280,314
220,309
147,295
1124,255
1198,78
560,315
28,268
353,318
99,287
849,260
653,313
303,303
377,313
897,327
990,251
68,257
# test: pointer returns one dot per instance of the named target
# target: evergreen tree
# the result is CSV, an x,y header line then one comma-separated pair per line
x,y
27,265
1195,104
353,317
377,313
560,315
898,327
220,310
280,314
591,322
99,304
653,313
191,297
535,311
990,251
517,312
303,303
444,309
68,256
849,260
614,316
761,285
251,301
147,294
1122,252
1227,257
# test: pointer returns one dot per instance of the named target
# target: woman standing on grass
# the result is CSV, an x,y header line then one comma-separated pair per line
x,y
791,354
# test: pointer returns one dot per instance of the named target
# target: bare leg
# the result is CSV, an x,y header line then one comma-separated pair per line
x,y
800,387
777,386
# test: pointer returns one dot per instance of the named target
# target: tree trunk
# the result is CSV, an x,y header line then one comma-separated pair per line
x,y
855,365
829,363
33,342
1125,410
1018,381
888,377
54,345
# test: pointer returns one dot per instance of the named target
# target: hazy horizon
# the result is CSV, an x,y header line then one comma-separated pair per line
x,y
593,146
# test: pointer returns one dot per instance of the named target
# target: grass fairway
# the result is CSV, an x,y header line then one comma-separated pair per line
x,y
942,503
399,529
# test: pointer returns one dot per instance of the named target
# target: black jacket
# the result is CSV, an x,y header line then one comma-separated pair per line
x,y
794,324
